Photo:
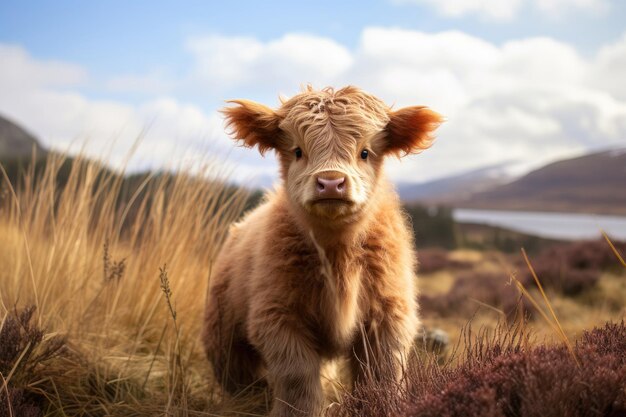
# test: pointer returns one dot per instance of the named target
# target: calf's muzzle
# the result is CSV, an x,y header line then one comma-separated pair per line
x,y
331,185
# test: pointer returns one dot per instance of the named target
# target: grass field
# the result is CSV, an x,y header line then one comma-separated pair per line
x,y
452,293
94,269
101,298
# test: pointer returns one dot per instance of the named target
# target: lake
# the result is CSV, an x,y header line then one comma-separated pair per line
x,y
567,226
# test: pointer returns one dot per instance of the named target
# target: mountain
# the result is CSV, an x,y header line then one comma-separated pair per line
x,y
459,186
593,183
15,142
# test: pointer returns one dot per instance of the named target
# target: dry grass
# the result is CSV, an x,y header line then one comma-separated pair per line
x,y
117,282
89,263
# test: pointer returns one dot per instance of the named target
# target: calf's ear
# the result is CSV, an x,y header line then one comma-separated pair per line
x,y
253,124
411,130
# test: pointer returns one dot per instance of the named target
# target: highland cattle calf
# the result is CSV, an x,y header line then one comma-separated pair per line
x,y
325,267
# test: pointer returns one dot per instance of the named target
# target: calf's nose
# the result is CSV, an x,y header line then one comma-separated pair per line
x,y
330,187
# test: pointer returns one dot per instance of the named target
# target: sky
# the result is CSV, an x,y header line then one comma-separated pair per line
x,y
520,82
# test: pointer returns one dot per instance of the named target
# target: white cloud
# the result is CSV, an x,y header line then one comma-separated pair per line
x,y
493,9
42,96
542,61
438,66
557,7
610,68
528,99
533,99
505,10
148,83
19,71
225,62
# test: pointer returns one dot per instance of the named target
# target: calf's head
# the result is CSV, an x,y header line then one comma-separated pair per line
x,y
331,145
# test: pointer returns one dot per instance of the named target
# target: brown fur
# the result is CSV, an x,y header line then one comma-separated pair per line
x,y
302,280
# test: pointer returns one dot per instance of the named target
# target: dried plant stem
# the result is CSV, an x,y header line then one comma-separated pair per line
x,y
167,292
614,249
555,319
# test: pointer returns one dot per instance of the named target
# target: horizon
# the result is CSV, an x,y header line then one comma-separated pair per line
x,y
518,80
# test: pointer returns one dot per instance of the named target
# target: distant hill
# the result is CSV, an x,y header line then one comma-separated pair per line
x,y
593,183
16,142
457,187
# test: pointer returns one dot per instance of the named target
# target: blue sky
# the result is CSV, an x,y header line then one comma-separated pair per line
x,y
122,35
519,80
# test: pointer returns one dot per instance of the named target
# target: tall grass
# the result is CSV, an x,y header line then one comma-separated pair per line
x,y
87,257
102,288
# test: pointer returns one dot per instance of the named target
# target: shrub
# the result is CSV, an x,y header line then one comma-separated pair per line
x,y
503,376
23,350
554,273
432,226
22,344
595,254
473,289
432,260
17,404
573,268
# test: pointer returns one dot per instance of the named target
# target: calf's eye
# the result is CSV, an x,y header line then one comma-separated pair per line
x,y
298,153
364,154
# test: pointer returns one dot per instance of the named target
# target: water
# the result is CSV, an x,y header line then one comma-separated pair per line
x,y
566,226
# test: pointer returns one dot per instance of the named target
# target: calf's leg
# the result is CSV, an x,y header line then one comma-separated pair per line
x,y
293,368
237,365
381,349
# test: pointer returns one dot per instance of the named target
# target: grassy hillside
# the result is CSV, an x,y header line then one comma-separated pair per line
x,y
102,292
15,142
455,187
591,183
95,279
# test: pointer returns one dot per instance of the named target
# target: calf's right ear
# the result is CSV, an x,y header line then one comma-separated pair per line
x,y
411,130
253,124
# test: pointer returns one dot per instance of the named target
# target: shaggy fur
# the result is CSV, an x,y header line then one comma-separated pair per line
x,y
304,279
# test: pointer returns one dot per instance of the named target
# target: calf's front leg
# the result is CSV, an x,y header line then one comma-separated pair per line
x,y
293,369
382,347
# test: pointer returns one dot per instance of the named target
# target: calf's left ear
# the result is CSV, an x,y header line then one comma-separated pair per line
x,y
253,124
411,130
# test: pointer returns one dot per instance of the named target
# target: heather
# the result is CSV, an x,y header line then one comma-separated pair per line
x,y
503,374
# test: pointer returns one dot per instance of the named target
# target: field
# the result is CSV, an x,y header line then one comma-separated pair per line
x,y
484,286
102,289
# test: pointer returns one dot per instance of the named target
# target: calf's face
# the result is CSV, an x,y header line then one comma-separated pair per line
x,y
331,144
